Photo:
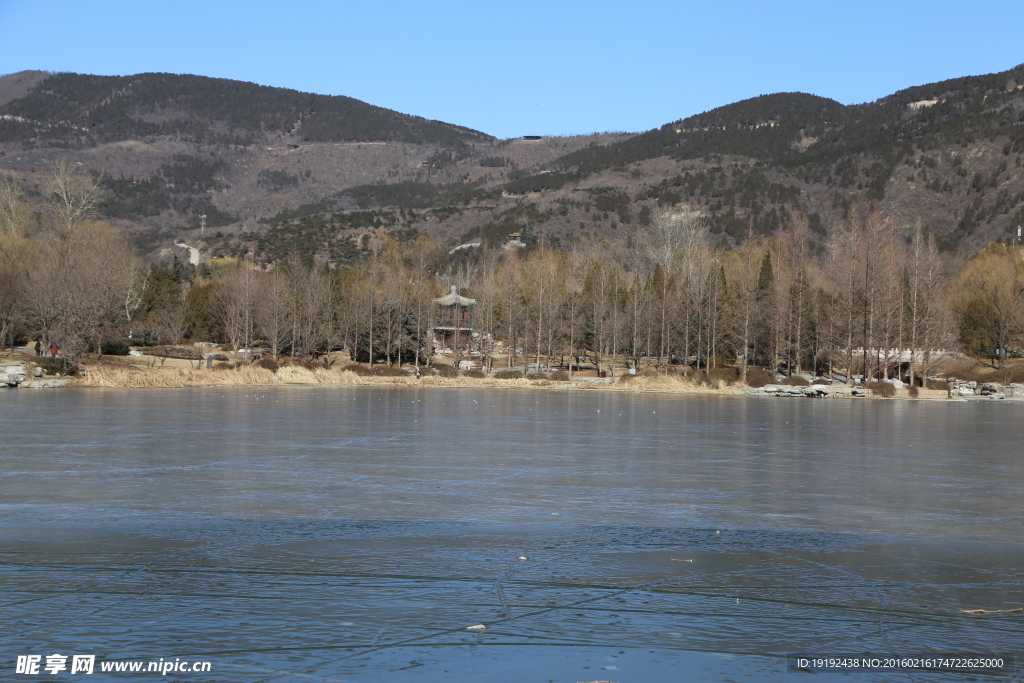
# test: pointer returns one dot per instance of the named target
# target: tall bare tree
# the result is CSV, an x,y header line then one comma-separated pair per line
x,y
669,234
72,196
240,292
273,317
744,268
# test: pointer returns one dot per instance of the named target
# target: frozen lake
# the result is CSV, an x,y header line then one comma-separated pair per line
x,y
352,534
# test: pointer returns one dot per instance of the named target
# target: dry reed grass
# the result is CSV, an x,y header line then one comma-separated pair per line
x,y
129,377
969,369
123,376
670,383
246,375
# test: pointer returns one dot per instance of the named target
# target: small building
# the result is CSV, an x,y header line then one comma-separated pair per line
x,y
515,239
452,331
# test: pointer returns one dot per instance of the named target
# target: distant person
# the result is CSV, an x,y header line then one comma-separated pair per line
x,y
53,351
39,349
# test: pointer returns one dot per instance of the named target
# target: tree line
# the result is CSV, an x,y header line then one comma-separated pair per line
x,y
873,299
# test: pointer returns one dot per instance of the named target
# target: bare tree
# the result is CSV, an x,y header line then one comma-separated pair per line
x,y
486,290
15,215
15,212
171,316
77,285
844,293
511,309
311,299
637,301
11,302
273,318
665,240
574,303
424,254
240,292
744,267
73,196
927,315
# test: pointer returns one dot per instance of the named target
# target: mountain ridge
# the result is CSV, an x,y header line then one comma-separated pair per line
x,y
88,110
170,147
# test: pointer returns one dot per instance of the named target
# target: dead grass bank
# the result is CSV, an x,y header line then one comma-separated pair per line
x,y
253,375
675,384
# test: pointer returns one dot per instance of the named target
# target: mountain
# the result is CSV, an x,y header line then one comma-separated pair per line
x,y
278,171
85,111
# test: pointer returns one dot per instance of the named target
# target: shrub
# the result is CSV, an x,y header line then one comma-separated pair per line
x,y
183,352
536,375
966,369
940,384
883,389
445,370
508,374
388,371
375,371
796,381
475,374
563,376
1013,375
914,391
222,365
758,377
115,347
268,364
726,374
54,366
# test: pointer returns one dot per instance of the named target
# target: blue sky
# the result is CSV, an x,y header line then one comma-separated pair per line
x,y
528,67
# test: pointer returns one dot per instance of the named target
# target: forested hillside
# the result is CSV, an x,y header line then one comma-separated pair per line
x,y
76,110
276,171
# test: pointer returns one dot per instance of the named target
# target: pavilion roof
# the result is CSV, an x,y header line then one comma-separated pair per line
x,y
452,298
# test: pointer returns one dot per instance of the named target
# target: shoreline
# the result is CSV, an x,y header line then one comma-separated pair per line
x,y
141,376
131,377
126,377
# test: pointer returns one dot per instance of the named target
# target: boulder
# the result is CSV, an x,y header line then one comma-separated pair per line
x,y
989,388
12,374
961,389
1013,390
44,383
